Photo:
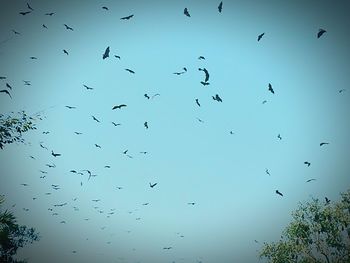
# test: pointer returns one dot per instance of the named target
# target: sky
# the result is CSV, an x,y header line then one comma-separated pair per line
x,y
219,164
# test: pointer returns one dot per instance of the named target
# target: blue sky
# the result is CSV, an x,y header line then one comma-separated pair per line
x,y
223,173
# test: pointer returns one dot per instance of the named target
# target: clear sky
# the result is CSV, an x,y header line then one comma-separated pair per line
x,y
191,161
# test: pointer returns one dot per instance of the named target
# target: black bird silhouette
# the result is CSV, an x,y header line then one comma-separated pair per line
x,y
78,133
264,101
307,163
118,106
65,52
46,132
105,7
279,136
2,77
267,171
125,151
260,36
97,146
179,73
152,185
143,152
324,143
118,57
342,90
200,120
145,203
146,96
44,26
146,125
191,203
68,27
155,95
94,118
70,107
279,193
16,32
50,14
167,247
220,7
206,74
186,12
96,200
201,57
198,103
320,32
116,124
205,83
311,180
106,54
42,146
107,166
327,200
217,98
129,70
25,13
51,165
119,187
29,7
271,89
126,17
88,88
55,154
7,92
33,57
24,184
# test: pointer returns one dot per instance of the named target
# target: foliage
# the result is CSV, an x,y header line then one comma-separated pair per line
x,y
12,235
11,128
319,232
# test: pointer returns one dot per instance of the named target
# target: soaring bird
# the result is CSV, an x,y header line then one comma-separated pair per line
x,y
271,89
68,27
78,133
126,17
155,95
307,163
143,152
342,90
260,36
220,7
167,247
311,180
152,185
70,107
191,203
29,7
146,96
96,200
327,200
55,154
279,193
323,143
279,137
206,74
33,57
7,92
8,86
217,98
118,57
118,106
267,172
179,73
24,184
51,165
201,57
107,166
129,70
200,120
97,146
145,203
65,52
320,32
44,26
87,87
25,13
197,101
119,187
204,83
125,151
105,7
106,53
186,12
50,14
94,118
146,124
116,124
264,101
16,32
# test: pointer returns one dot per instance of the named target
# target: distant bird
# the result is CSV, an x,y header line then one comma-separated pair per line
x,y
63,204
201,57
51,165
186,13
264,101
63,222
206,74
327,200
220,7
200,120
143,152
152,185
25,13
119,106
217,98
42,177
192,203
70,107
116,124
55,154
324,143
97,146
78,133
44,26
68,27
307,163
185,69
8,86
27,82
260,36
178,73
146,96
311,180
105,7
46,132
125,151
87,87
146,124
94,118
106,53
205,83
7,92
267,172
24,184
118,57
50,14
33,57
43,172
145,203
320,32
73,171
96,200
29,7
129,70
65,52
279,137
2,77
167,248
279,193
342,90
197,102
107,166
155,95
126,17
119,187
231,132
271,89
16,32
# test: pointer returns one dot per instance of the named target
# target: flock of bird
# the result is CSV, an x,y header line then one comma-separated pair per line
x,y
105,55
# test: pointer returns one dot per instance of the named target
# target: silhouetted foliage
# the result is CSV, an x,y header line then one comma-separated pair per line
x,y
12,127
12,235
319,232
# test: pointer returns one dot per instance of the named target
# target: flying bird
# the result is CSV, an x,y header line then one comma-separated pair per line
x,y
25,13
307,163
107,166
70,107
88,88
97,146
8,86
327,200
125,151
220,7
206,73
186,12
155,95
7,92
68,27
217,98
51,165
65,52
55,154
119,187
29,7
16,32
126,17
24,184
44,26
119,106
50,14
197,102
105,7
311,180
2,77
78,133
146,125
271,89
146,96
264,101
129,70
200,120
145,203
279,193
320,32
342,90
267,172
116,124
167,247
260,36
94,118
204,83
191,203
324,143
143,152
201,57
106,53
279,136
152,185
118,57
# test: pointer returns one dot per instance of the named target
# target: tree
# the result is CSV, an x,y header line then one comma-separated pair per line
x,y
11,128
319,232
12,235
